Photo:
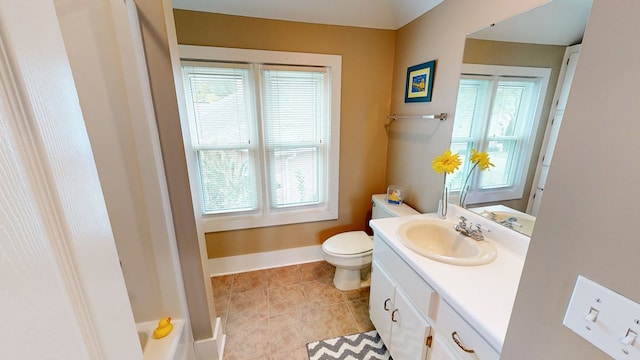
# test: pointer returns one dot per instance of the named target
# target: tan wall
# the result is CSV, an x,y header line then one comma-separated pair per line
x,y
367,63
520,54
438,34
585,224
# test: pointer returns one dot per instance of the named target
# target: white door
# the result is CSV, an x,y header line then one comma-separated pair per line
x,y
556,122
563,90
62,294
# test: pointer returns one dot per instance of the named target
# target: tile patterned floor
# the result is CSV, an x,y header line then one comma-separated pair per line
x,y
272,314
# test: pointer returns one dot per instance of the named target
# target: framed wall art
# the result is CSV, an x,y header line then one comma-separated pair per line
x,y
420,82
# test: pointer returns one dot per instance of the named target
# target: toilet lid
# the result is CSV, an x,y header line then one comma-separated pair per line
x,y
349,243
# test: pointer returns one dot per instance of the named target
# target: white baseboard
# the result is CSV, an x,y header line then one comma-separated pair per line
x,y
264,260
212,348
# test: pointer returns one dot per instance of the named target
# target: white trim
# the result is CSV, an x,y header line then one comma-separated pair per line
x,y
265,260
543,74
52,198
535,196
51,227
326,211
504,70
191,52
211,348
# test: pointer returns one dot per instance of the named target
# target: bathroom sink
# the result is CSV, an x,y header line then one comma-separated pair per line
x,y
439,241
522,223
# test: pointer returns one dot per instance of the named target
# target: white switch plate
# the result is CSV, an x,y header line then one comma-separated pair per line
x,y
616,318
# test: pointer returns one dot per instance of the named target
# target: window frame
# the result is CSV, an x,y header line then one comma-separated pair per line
x,y
525,154
266,215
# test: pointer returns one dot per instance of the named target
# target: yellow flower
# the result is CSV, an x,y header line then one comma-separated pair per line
x,y
481,159
447,162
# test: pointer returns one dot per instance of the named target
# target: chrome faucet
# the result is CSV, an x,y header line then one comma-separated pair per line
x,y
468,230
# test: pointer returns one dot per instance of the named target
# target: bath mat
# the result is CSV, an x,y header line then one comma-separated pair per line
x,y
362,346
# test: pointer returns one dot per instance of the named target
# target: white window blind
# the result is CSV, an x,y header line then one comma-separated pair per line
x,y
294,120
222,133
509,127
264,131
470,110
496,113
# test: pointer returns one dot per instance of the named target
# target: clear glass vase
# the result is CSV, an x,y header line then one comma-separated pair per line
x,y
443,204
462,201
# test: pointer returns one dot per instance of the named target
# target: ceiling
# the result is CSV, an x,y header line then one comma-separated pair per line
x,y
560,22
377,14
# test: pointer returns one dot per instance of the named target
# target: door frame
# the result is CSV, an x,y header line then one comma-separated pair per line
x,y
59,236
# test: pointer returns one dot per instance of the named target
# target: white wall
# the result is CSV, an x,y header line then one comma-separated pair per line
x,y
587,224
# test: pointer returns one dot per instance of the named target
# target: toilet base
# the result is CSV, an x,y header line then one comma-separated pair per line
x,y
352,279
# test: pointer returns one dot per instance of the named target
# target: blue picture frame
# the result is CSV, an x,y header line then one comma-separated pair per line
x,y
419,86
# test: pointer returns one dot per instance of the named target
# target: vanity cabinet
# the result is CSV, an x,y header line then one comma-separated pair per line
x,y
461,338
402,328
412,320
440,351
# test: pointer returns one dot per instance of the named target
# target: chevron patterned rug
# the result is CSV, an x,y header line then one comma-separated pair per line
x,y
363,346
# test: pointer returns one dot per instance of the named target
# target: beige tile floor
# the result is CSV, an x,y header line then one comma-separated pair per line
x,y
272,314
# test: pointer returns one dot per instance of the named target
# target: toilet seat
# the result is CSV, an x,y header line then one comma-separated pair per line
x,y
349,243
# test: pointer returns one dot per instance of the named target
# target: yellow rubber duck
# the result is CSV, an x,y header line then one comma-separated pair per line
x,y
164,328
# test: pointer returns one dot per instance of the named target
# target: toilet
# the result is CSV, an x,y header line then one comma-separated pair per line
x,y
351,252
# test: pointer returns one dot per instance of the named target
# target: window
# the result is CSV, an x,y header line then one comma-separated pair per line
x,y
497,111
264,134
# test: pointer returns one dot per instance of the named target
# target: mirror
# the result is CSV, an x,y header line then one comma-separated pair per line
x,y
508,217
538,38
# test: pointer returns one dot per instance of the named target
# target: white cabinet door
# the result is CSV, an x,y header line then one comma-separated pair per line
x,y
440,351
381,302
401,326
409,330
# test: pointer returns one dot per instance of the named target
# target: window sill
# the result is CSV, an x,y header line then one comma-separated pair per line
x,y
239,222
487,196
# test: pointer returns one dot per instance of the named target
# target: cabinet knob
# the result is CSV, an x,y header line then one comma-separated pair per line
x,y
385,305
456,339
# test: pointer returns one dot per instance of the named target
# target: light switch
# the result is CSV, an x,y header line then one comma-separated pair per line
x,y
592,316
606,319
630,338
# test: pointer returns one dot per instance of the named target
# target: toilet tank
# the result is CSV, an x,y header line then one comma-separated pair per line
x,y
382,209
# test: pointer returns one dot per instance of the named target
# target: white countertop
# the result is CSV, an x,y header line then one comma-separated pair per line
x,y
483,295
